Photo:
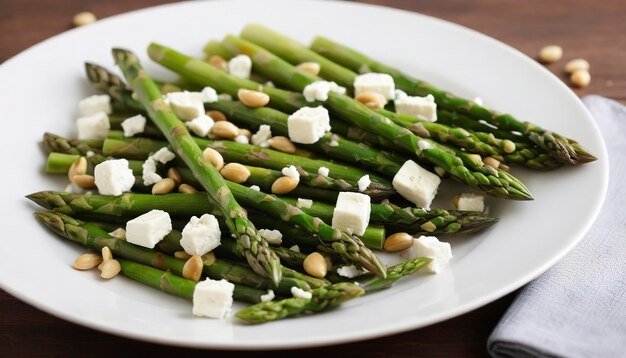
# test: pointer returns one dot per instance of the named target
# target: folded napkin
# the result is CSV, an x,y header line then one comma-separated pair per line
x,y
578,307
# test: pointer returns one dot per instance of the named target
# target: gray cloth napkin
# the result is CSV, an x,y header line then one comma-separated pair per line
x,y
578,307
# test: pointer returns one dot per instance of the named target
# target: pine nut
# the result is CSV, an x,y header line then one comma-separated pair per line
x,y
282,144
492,162
284,185
315,265
175,175
580,78
235,172
106,253
550,54
87,261
193,268
187,189
79,167
398,242
245,132
372,99
163,186
182,255
504,167
216,116
84,18
224,129
253,99
428,226
507,146
84,181
218,61
578,64
118,233
455,201
110,269
214,157
312,68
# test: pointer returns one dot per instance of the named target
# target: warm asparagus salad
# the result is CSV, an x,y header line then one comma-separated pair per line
x,y
272,173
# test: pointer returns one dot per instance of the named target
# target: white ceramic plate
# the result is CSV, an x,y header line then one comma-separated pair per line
x,y
39,90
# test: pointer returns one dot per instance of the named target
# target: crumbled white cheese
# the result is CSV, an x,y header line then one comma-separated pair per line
x,y
113,177
73,189
94,104
242,139
148,229
364,182
201,235
380,83
291,171
295,248
318,90
400,94
300,293
352,213
185,105
471,202
420,107
213,298
429,246
200,125
255,188
224,97
268,296
422,144
134,125
304,203
209,95
308,124
478,101
323,171
90,154
262,136
416,184
349,271
240,66
273,237
163,155
148,172
95,126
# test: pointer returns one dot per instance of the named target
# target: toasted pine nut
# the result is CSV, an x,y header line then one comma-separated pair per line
x,y
217,116
492,162
79,167
84,18
372,99
214,157
182,255
235,172
315,265
218,61
110,269
312,68
253,99
175,175
84,181
578,64
163,186
504,167
225,129
193,268
245,132
398,242
284,185
550,54
106,253
282,144
87,261
508,146
186,189
455,201
580,78
118,233
428,226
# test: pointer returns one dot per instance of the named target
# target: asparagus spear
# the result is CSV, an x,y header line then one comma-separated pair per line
x,y
564,149
406,268
251,245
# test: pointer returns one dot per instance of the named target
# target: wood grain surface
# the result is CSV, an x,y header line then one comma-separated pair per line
x,y
594,30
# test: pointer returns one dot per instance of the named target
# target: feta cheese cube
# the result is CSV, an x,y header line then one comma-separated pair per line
x,y
380,83
200,125
304,203
420,107
300,293
323,171
273,237
291,171
163,155
268,296
201,235
95,126
308,124
349,271
113,177
240,66
242,139
209,95
148,229
416,184
212,298
318,90
94,104
429,246
364,182
185,105
262,136
148,172
352,213
134,125
471,202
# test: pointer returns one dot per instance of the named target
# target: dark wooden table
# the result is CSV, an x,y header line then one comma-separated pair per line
x,y
594,30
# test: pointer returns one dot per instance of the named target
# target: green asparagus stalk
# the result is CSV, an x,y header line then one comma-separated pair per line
x,y
406,268
251,245
564,149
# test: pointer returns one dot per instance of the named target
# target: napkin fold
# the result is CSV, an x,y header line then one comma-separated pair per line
x,y
578,307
